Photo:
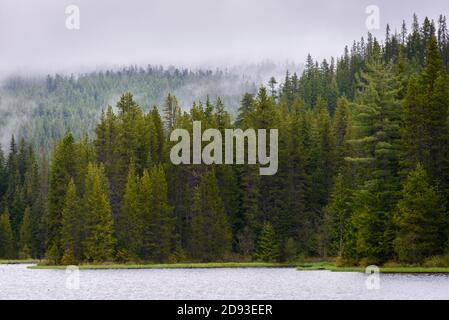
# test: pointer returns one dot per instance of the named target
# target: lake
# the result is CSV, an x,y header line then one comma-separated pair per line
x,y
18,282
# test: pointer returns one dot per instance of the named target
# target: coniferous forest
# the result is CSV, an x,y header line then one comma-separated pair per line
x,y
363,171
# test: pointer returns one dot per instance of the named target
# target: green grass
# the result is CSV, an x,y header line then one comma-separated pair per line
x,y
396,269
214,265
26,261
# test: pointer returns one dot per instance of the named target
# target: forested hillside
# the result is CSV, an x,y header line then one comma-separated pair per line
x,y
42,110
363,171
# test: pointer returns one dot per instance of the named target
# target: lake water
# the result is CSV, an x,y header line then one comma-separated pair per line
x,y
18,282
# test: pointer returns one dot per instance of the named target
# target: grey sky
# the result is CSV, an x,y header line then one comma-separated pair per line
x,y
33,36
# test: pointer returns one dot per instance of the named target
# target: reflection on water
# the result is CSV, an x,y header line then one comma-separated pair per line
x,y
18,282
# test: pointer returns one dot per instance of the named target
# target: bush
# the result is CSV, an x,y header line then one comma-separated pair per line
x,y
437,262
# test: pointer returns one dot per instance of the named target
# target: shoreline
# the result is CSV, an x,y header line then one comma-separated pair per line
x,y
386,270
18,261
213,265
301,267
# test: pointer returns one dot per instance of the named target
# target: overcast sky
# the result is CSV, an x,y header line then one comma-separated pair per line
x,y
34,37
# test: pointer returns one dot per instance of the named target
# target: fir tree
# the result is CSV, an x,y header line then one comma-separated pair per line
x,y
25,235
420,220
157,215
71,233
211,233
6,237
267,249
99,241
130,221
62,170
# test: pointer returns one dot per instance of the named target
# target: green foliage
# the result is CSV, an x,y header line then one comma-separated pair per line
x,y
25,235
71,226
211,232
420,219
157,215
6,237
99,241
130,220
267,249
350,132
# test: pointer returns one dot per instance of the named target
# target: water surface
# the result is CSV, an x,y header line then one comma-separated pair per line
x,y
18,282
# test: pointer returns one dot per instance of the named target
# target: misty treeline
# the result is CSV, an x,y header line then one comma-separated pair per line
x,y
363,171
42,110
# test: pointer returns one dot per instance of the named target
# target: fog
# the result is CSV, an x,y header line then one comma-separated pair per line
x,y
194,33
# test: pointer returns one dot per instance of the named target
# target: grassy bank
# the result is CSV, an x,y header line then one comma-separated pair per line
x,y
214,265
388,269
26,261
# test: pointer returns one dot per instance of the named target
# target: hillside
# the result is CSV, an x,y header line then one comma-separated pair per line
x,y
42,109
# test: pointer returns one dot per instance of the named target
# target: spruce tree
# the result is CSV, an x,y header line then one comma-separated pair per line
x,y
157,215
211,232
62,170
337,216
425,134
71,233
130,222
99,241
6,237
267,249
420,219
374,157
25,235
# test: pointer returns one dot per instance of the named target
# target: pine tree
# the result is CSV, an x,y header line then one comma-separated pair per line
x,y
99,241
420,220
267,249
246,107
157,215
374,156
337,216
71,226
6,237
62,170
425,134
171,111
157,138
25,235
341,128
130,224
272,85
211,233
3,175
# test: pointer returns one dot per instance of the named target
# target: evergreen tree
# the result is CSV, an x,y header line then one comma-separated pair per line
x,y
71,226
25,235
171,111
130,222
62,170
374,156
6,237
99,241
157,138
211,233
425,133
267,249
157,215
420,219
337,216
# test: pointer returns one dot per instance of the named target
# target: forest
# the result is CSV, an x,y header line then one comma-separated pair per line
x,y
363,171
42,109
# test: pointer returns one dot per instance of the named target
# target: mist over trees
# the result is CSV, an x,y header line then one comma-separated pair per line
x,y
42,110
363,159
